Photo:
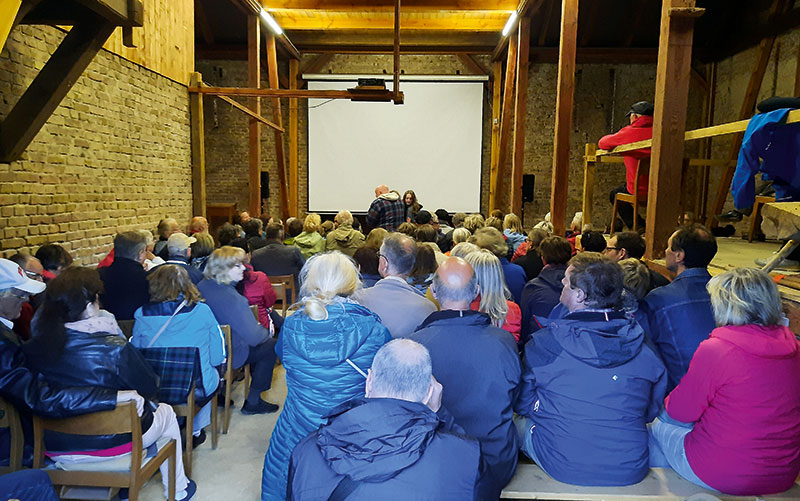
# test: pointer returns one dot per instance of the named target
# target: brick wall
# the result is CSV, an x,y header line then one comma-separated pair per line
x,y
115,155
603,95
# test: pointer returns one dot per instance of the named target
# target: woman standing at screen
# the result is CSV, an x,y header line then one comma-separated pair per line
x,y
412,205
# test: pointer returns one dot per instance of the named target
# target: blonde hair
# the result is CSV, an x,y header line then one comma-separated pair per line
x,y
745,296
473,222
494,222
169,282
222,261
148,237
512,222
494,291
203,246
324,277
312,223
635,277
460,235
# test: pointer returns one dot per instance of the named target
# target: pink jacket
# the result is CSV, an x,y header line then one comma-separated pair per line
x,y
742,391
258,291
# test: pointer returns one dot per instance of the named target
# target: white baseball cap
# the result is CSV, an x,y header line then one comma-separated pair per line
x,y
12,276
180,242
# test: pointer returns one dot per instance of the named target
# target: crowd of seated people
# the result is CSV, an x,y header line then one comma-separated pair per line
x,y
575,353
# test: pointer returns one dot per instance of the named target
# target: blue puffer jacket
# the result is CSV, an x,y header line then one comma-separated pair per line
x,y
318,378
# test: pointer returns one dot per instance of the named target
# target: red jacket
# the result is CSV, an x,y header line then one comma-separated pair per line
x,y
639,130
258,291
742,391
513,322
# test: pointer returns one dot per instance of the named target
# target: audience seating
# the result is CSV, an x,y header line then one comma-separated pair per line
x,y
661,484
755,217
180,374
281,296
288,285
127,327
123,419
633,199
9,418
226,419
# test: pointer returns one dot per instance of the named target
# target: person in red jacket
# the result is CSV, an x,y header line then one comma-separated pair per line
x,y
640,129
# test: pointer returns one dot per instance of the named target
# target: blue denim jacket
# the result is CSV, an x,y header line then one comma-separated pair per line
x,y
680,319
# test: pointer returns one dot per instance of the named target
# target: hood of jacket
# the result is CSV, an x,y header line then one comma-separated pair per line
x,y
153,315
332,341
374,439
344,234
643,121
774,341
391,196
552,275
597,338
307,240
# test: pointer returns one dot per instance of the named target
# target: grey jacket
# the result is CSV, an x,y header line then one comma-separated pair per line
x,y
399,305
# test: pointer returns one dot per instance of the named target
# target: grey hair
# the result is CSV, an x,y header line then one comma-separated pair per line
x,y
400,252
745,296
443,292
461,235
129,244
461,249
344,217
401,369
635,277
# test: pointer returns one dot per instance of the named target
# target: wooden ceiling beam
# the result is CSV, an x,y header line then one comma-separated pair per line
x,y
388,5
202,22
524,9
254,7
347,21
548,16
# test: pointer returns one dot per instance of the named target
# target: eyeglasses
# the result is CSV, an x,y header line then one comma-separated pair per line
x,y
34,276
610,249
383,256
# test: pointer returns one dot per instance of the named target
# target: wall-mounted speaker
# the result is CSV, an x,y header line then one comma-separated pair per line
x,y
264,184
528,182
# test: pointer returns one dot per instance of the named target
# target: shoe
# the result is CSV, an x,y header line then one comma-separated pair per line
x,y
723,231
123,494
199,439
782,264
261,407
732,216
191,490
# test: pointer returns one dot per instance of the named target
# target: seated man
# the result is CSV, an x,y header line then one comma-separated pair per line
x,y
125,281
402,449
479,366
344,238
589,384
630,244
166,227
180,252
640,128
541,295
275,259
54,259
399,305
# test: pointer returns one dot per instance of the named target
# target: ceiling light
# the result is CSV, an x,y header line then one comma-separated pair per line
x,y
273,24
510,23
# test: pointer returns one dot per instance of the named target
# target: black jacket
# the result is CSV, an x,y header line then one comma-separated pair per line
x,y
125,283
392,449
101,360
29,392
277,259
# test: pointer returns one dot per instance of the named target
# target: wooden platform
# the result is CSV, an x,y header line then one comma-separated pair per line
x,y
530,482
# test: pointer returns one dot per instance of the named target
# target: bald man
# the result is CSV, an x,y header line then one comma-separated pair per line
x,y
387,210
478,365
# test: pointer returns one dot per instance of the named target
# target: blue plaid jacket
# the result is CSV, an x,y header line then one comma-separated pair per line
x,y
177,369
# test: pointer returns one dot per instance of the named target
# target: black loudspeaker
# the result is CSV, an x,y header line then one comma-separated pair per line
x,y
528,182
264,184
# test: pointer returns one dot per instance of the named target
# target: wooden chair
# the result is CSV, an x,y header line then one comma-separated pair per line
x,y
282,297
289,292
9,418
755,217
180,374
127,327
123,419
226,419
633,199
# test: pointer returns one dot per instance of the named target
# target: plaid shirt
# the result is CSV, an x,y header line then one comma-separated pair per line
x,y
388,214
178,369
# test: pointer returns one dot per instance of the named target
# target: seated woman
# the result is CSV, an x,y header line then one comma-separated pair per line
x,y
177,317
366,259
258,290
512,230
252,343
326,349
201,249
424,267
494,298
74,345
310,241
733,422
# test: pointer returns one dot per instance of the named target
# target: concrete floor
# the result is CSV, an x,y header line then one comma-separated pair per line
x,y
233,471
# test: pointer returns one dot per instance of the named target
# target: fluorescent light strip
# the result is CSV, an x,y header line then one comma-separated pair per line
x,y
510,23
273,24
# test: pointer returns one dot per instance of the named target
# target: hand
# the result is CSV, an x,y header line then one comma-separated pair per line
x,y
131,395
434,400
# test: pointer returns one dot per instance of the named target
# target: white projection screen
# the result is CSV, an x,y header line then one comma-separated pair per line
x,y
431,144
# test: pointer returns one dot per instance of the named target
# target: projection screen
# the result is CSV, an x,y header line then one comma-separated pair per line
x,y
431,144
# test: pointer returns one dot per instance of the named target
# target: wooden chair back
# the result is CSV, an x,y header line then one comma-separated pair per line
x,y
289,290
281,297
642,168
226,418
127,327
9,418
123,419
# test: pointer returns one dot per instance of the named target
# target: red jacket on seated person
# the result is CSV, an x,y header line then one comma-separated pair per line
x,y
640,130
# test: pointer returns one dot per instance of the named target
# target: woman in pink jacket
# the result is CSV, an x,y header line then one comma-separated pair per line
x,y
741,394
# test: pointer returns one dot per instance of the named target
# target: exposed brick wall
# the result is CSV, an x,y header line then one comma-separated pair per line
x,y
115,155
597,100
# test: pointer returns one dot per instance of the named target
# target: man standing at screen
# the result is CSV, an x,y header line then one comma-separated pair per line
x,y
387,210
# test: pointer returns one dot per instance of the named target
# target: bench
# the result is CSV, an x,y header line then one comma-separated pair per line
x,y
530,482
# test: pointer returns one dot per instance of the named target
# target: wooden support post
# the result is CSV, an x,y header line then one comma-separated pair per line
x,y
589,160
51,85
797,74
294,190
254,81
520,114
398,99
497,87
198,148
669,125
505,120
564,104
277,117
